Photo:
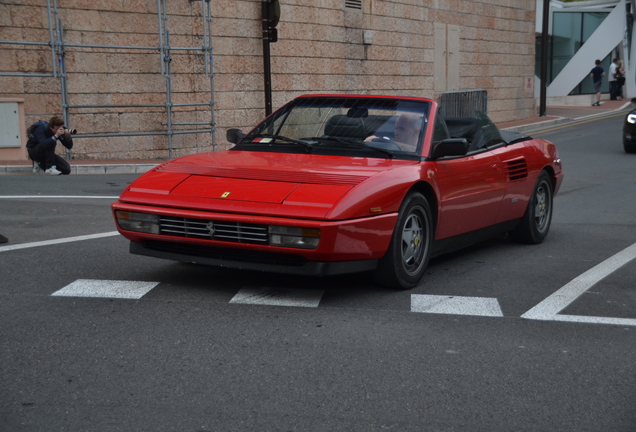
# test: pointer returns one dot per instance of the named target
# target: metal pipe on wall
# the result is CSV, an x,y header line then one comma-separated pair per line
x,y
209,65
267,66
61,63
167,61
544,58
18,74
51,37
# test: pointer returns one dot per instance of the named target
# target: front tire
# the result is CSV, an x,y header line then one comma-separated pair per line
x,y
629,146
535,223
405,262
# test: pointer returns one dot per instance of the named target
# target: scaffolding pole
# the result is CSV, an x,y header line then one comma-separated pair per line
x,y
209,63
51,36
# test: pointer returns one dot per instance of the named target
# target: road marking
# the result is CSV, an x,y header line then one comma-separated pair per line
x,y
57,241
57,196
579,123
595,320
279,297
133,290
454,305
548,309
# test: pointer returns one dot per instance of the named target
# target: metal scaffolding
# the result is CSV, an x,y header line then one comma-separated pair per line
x,y
58,49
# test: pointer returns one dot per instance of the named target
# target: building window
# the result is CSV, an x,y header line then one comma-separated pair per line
x,y
570,30
353,4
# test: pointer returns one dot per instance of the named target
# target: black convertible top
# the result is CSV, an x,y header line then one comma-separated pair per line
x,y
513,137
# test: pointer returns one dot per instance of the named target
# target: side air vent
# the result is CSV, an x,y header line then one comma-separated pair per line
x,y
516,170
353,4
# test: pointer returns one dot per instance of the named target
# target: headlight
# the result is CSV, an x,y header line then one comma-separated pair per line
x,y
139,222
631,118
302,238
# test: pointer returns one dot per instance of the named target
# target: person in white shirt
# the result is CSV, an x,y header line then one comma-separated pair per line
x,y
612,79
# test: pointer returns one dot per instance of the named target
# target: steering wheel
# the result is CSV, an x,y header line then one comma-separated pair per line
x,y
384,143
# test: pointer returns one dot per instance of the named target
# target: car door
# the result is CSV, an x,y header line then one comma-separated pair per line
x,y
470,189
517,160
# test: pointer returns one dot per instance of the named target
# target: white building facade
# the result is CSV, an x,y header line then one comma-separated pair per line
x,y
581,32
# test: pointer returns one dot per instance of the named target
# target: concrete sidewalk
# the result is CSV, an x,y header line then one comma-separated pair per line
x,y
555,115
561,115
86,166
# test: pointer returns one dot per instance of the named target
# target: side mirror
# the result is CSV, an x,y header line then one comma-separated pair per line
x,y
234,135
450,147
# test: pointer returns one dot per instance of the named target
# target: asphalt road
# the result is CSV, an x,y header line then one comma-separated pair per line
x,y
510,348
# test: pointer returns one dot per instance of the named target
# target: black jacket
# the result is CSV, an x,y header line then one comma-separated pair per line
x,y
43,135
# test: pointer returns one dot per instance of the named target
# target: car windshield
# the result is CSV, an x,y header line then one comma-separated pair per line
x,y
348,126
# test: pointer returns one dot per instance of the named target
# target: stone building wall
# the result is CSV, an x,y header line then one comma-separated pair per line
x,y
412,47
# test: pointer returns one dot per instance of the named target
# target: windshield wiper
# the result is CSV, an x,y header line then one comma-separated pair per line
x,y
275,138
355,144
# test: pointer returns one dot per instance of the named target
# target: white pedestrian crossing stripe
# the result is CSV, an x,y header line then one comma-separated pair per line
x,y
550,308
310,298
454,305
106,289
279,297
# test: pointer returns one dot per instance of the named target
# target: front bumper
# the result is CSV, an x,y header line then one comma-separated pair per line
x,y
345,246
249,260
629,131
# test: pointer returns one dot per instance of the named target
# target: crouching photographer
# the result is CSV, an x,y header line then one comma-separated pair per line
x,y
43,138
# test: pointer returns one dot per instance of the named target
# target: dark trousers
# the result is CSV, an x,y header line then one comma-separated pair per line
x,y
619,90
46,159
613,90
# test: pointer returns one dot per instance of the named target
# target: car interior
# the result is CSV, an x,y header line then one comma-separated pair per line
x,y
343,126
358,124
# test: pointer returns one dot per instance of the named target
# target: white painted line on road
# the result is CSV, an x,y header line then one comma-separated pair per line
x,y
279,297
57,196
548,309
595,320
133,290
57,241
454,305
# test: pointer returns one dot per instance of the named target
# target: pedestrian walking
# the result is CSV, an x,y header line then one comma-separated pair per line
x,y
597,73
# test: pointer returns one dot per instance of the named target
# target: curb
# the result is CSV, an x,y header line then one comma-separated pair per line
x,y
539,125
83,169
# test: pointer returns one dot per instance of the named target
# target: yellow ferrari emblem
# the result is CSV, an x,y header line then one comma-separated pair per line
x,y
416,241
225,195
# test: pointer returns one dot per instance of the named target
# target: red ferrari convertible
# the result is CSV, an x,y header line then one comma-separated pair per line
x,y
332,184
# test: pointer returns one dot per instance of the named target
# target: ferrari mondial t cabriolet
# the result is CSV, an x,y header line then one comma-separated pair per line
x,y
333,184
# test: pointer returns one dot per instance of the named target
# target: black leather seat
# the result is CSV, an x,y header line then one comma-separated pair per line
x,y
345,127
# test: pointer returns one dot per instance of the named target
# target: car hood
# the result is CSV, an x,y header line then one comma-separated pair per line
x,y
276,184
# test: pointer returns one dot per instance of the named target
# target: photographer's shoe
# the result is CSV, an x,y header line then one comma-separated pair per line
x,y
36,168
53,171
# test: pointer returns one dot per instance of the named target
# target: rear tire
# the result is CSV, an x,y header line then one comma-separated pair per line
x,y
405,262
535,223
